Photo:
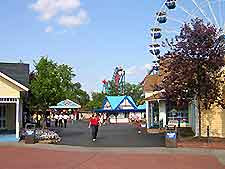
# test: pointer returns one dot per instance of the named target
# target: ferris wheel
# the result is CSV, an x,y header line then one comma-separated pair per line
x,y
172,14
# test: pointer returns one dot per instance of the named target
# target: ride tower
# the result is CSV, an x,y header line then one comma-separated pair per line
x,y
119,79
105,88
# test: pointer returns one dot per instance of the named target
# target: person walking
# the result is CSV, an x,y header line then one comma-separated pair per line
x,y
94,122
138,125
65,118
61,120
72,118
48,121
56,117
101,119
104,118
39,120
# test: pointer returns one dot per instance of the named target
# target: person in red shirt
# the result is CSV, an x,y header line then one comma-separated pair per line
x,y
94,122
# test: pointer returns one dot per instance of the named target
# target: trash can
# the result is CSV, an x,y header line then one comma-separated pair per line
x,y
30,133
171,137
30,137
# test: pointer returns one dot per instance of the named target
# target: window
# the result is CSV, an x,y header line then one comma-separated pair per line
x,y
174,115
2,116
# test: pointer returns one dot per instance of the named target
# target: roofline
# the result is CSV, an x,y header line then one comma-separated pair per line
x,y
148,99
14,82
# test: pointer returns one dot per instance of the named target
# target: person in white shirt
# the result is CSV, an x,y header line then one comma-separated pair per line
x,y
61,120
65,118
56,117
101,119
72,118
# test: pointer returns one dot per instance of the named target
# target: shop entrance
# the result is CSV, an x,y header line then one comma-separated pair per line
x,y
7,118
2,116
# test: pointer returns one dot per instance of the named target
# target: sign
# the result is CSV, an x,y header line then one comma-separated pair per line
x,y
171,135
67,103
29,132
172,122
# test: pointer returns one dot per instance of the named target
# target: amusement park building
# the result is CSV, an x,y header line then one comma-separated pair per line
x,y
159,112
13,81
121,108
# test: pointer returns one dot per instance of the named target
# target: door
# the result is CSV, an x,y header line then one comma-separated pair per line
x,y
2,116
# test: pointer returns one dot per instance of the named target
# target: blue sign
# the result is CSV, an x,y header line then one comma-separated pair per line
x,y
29,132
171,135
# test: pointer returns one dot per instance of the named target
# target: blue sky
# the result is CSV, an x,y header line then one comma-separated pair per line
x,y
92,36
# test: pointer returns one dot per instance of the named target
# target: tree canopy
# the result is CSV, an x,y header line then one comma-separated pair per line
x,y
51,83
96,101
192,68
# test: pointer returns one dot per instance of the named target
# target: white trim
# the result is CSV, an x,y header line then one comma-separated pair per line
x,y
147,114
10,97
13,81
8,100
17,118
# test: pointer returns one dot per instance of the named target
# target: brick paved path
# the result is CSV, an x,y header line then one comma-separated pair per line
x,y
114,135
32,158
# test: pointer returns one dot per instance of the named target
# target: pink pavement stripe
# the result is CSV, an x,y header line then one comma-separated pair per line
x,y
22,158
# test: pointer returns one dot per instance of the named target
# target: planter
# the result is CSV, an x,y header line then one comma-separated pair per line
x,y
155,130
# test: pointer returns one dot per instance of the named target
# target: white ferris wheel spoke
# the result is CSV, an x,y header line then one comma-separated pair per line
x,y
202,11
185,10
213,14
220,3
176,20
221,12
171,31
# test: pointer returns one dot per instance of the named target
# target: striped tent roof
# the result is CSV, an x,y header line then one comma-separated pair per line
x,y
66,104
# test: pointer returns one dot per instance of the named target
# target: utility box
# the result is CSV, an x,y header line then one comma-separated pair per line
x,y
171,137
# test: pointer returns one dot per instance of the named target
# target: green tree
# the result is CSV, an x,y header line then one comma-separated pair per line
x,y
96,101
51,83
112,88
135,91
78,95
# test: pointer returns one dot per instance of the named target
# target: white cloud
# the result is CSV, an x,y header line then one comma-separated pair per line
x,y
74,21
62,12
50,8
48,29
133,70
138,71
148,66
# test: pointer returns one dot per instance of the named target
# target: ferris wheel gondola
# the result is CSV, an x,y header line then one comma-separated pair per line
x,y
161,17
155,49
174,13
156,33
171,4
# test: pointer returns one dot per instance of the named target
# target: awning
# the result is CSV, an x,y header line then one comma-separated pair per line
x,y
157,95
143,106
66,104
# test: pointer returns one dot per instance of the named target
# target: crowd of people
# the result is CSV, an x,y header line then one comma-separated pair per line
x,y
61,118
52,119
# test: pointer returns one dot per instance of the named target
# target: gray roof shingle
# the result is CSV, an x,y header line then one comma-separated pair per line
x,y
17,71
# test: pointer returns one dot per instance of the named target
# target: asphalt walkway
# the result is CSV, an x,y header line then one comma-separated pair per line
x,y
113,135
